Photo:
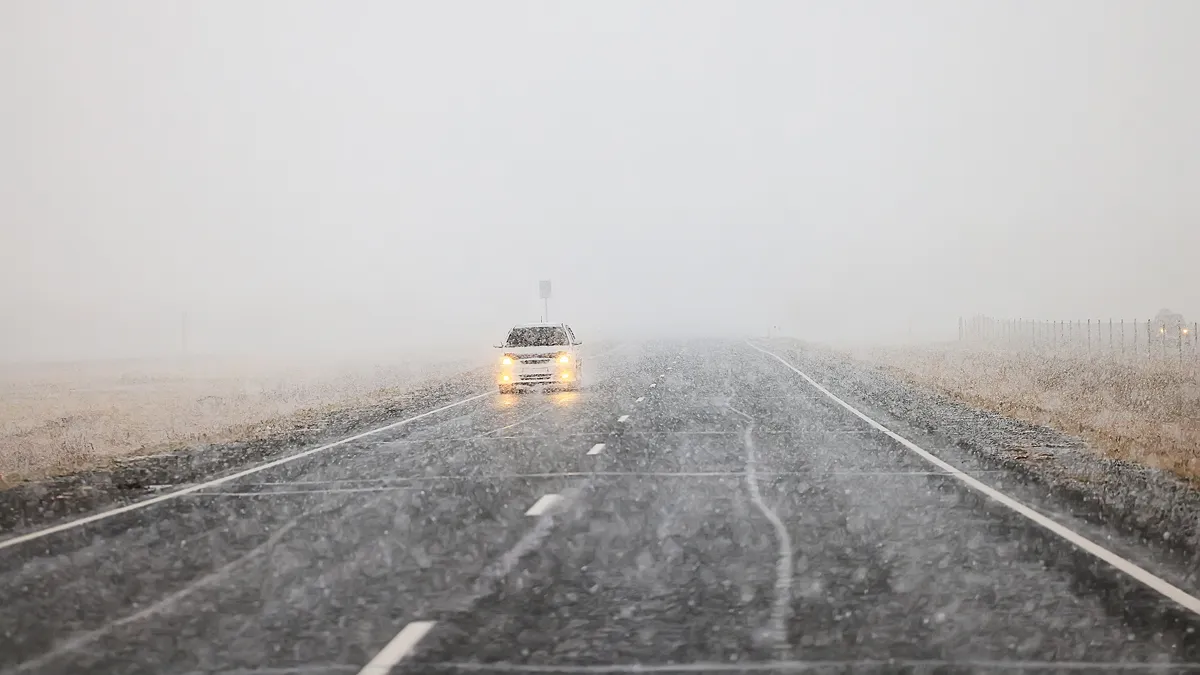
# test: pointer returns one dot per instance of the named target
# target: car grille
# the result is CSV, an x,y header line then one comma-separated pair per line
x,y
535,362
535,378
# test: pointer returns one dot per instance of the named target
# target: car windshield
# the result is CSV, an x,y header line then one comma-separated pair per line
x,y
888,355
536,336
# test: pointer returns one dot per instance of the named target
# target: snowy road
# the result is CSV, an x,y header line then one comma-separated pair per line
x,y
699,508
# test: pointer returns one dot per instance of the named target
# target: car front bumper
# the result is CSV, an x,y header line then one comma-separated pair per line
x,y
539,375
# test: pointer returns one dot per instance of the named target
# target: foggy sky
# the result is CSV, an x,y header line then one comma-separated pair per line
x,y
353,175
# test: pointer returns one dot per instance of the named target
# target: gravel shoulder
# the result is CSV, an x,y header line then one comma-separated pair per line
x,y
1062,472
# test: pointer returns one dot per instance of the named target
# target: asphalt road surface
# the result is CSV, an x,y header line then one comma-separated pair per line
x,y
700,507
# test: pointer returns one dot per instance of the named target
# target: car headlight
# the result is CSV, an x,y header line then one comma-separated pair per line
x,y
507,359
564,358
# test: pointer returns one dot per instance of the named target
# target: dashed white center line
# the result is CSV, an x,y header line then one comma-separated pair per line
x,y
640,399
400,647
622,418
596,449
545,503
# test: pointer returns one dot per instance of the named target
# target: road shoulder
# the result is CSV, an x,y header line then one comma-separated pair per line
x,y
1151,506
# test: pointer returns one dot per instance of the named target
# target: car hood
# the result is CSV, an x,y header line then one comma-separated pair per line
x,y
532,351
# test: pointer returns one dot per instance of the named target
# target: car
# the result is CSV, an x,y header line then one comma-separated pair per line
x,y
540,355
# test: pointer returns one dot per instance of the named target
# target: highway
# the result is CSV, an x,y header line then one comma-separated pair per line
x,y
699,507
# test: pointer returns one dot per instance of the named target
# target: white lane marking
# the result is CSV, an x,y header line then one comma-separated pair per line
x,y
783,566
543,504
504,566
640,399
596,449
79,522
400,647
1165,588
623,418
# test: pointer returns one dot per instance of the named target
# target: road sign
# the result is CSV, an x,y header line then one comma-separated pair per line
x,y
544,289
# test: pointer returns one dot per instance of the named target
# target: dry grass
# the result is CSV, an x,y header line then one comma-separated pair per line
x,y
1146,412
57,419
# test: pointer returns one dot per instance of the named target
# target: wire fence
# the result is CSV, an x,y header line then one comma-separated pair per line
x,y
1132,340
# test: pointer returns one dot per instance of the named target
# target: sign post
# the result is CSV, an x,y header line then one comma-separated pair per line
x,y
544,292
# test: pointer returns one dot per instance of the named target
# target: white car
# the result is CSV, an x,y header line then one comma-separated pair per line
x,y
540,355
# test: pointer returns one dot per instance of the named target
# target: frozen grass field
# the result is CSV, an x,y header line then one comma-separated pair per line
x,y
1146,411
60,418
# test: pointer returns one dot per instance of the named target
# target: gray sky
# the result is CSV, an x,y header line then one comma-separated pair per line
x,y
346,175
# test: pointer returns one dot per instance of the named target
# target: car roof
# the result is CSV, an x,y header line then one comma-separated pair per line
x,y
539,325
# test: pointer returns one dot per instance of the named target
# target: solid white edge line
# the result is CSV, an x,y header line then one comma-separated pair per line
x,y
622,418
399,647
79,522
596,449
543,504
1162,586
